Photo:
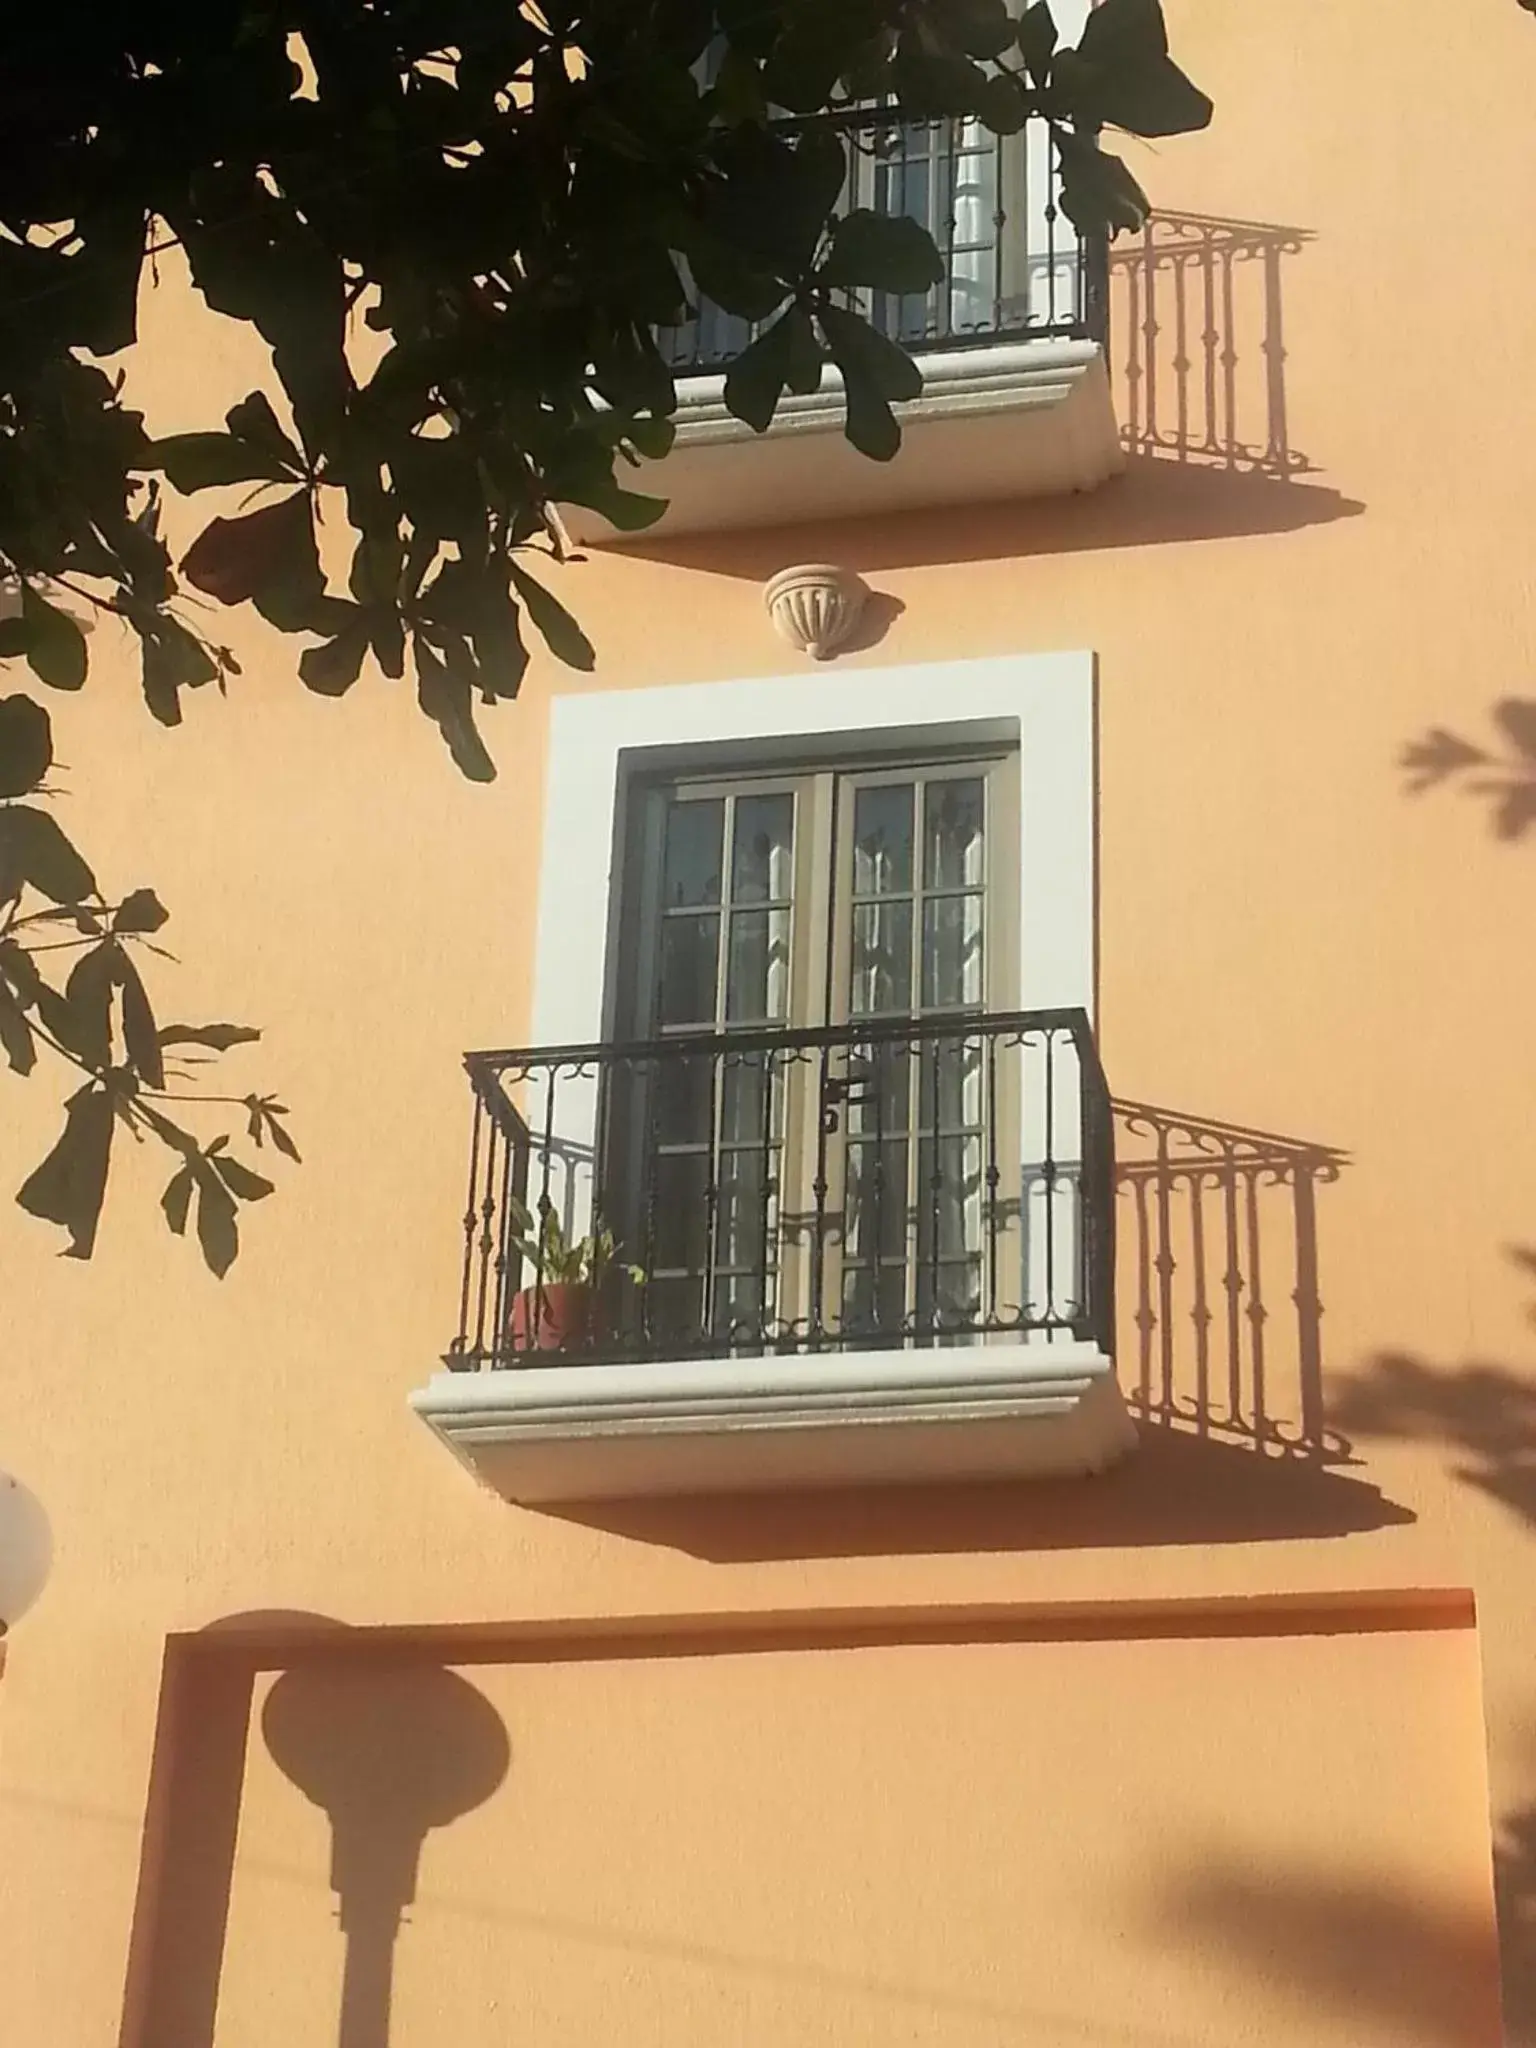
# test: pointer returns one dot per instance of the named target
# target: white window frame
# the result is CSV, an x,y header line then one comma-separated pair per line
x,y
1044,704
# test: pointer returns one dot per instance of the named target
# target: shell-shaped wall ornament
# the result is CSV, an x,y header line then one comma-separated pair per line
x,y
815,606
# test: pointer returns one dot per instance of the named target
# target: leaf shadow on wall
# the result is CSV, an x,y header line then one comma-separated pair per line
x,y
1400,1966
1501,773
388,1743
1220,1354
1482,1414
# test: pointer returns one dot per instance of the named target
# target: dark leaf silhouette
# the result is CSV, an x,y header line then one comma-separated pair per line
x,y
1516,717
34,849
1442,756
26,745
69,1186
140,911
1516,811
1437,755
216,1037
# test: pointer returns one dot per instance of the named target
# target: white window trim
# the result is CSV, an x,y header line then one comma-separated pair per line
x,y
1045,701
1038,1405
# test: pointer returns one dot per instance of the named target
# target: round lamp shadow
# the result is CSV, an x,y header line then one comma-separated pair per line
x,y
388,1751
26,1550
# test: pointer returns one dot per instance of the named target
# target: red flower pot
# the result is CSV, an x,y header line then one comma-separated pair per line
x,y
555,1317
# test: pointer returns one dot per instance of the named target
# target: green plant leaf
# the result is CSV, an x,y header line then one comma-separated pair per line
x,y
174,660
332,668
68,1188
254,421
267,556
875,373
755,381
1124,32
26,745
1037,39
1098,193
140,911
1154,99
1122,76
1003,104
561,634
200,462
33,848
447,698
56,652
983,28
889,251
853,340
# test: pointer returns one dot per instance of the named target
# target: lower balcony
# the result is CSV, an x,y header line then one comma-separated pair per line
x,y
880,1252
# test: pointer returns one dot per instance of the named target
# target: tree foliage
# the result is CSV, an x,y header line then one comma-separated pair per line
x,y
71,986
456,226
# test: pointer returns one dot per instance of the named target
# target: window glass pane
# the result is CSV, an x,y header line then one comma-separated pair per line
x,y
689,946
875,1206
743,1236
678,1227
951,951
952,835
683,1100
750,1098
949,1197
882,958
882,840
879,1079
874,1301
695,837
757,991
951,1086
762,849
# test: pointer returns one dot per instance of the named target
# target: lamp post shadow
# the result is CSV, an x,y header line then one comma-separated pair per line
x,y
388,1751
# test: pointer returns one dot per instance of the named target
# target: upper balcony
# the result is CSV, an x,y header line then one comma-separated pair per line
x,y
880,1251
1016,399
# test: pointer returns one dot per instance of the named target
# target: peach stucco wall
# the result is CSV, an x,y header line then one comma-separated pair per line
x,y
1192,1753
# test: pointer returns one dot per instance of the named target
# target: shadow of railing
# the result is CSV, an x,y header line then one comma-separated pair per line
x,y
1197,339
1220,1313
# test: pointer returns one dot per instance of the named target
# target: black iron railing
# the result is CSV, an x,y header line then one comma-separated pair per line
x,y
882,1184
1014,266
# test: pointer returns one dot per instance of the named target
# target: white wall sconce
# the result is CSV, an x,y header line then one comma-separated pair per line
x,y
26,1550
815,607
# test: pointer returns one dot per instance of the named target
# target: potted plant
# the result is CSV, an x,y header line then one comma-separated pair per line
x,y
561,1310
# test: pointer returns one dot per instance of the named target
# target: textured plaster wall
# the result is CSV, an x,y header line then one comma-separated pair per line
x,y
1287,940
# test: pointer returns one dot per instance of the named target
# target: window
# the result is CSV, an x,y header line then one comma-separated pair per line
x,y
764,905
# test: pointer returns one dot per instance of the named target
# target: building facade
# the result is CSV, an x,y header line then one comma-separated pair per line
x,y
1041,1548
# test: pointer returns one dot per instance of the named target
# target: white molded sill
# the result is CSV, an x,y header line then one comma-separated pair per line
x,y
572,1432
1008,419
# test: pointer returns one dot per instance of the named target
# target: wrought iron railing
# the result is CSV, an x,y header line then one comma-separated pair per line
x,y
1014,266
884,1184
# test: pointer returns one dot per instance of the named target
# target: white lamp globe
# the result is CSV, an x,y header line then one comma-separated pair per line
x,y
26,1549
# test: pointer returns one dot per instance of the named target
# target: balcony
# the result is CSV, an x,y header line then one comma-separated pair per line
x,y
879,1252
1016,399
